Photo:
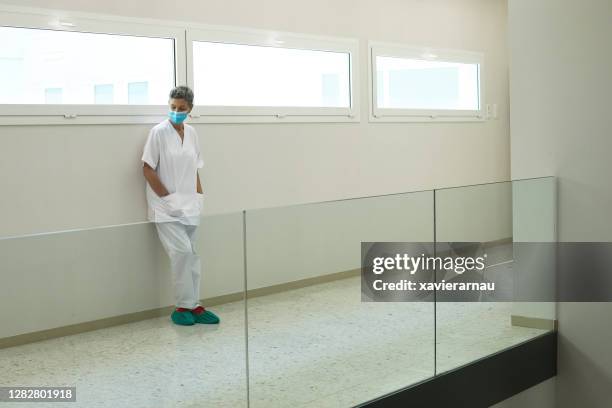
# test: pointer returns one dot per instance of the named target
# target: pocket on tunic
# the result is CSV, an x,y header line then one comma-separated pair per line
x,y
172,204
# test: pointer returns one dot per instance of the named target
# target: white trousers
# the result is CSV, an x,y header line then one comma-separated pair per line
x,y
179,241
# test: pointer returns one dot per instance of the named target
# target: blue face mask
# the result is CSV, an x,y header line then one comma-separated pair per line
x,y
177,117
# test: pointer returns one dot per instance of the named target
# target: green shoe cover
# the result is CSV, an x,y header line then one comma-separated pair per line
x,y
182,318
207,317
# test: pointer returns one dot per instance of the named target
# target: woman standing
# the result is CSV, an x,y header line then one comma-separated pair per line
x,y
174,195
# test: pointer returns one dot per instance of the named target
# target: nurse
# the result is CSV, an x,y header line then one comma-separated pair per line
x,y
171,160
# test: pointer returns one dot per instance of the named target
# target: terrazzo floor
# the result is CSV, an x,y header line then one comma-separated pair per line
x,y
318,346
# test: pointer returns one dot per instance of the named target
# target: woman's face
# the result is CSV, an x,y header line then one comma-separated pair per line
x,y
179,105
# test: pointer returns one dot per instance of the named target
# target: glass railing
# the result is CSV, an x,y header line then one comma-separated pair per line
x,y
113,287
89,308
312,342
503,222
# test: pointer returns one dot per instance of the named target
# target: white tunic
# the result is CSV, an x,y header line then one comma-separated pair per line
x,y
176,165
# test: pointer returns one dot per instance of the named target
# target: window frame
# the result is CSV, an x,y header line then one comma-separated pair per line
x,y
20,114
179,31
241,114
395,50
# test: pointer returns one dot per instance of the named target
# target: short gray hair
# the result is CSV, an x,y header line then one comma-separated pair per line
x,y
182,92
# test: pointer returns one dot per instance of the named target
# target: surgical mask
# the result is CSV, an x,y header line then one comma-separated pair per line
x,y
177,117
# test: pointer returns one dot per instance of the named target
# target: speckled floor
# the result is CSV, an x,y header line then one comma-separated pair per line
x,y
318,346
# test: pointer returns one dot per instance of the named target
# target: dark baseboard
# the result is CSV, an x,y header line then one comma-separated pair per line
x,y
484,382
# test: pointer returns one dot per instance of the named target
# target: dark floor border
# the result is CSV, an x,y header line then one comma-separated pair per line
x,y
484,382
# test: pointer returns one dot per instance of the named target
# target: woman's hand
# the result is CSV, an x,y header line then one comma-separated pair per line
x,y
198,186
152,178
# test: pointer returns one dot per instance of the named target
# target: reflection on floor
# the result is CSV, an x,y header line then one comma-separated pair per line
x,y
318,346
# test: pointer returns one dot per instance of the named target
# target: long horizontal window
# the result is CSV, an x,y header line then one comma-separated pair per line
x,y
250,74
85,68
420,84
43,66
413,83
247,75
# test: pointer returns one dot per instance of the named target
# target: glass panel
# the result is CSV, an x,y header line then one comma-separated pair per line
x,y
312,341
121,276
481,221
42,66
534,227
404,83
249,75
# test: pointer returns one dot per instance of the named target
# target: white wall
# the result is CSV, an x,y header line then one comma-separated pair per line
x,y
58,178
261,165
560,87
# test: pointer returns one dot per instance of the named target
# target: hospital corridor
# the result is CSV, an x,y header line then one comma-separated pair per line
x,y
322,204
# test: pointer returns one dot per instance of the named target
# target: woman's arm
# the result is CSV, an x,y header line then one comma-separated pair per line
x,y
154,180
199,186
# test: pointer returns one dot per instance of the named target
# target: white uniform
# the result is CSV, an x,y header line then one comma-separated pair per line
x,y
177,215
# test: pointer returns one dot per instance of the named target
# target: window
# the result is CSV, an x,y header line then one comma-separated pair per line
x,y
90,68
425,84
103,94
138,93
247,75
86,68
269,77
78,61
53,95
